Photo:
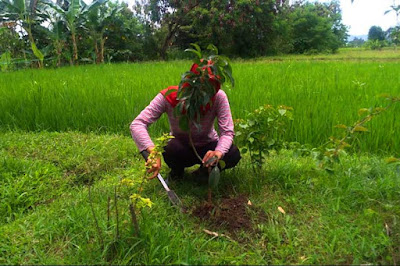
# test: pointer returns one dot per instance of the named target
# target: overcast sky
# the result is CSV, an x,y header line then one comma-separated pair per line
x,y
362,14
359,15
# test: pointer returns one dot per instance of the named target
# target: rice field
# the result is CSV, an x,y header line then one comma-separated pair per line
x,y
107,98
65,148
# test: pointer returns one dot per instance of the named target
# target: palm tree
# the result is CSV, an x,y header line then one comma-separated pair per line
x,y
24,13
396,8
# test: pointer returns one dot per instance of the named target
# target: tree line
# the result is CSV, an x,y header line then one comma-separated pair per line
x,y
68,32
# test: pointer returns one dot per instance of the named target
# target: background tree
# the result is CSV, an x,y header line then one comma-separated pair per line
x,y
171,15
129,38
72,16
25,14
98,19
376,33
317,27
356,42
71,31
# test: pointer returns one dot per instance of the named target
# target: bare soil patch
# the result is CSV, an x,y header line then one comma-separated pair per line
x,y
231,214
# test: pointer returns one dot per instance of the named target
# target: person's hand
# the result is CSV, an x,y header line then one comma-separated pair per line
x,y
153,166
211,154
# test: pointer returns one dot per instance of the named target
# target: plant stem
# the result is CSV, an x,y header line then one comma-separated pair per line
x,y
209,195
193,147
116,212
95,218
108,211
134,220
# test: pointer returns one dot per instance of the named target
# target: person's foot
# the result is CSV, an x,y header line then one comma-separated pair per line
x,y
201,175
175,174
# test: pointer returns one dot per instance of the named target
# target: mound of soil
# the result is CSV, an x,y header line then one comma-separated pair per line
x,y
230,213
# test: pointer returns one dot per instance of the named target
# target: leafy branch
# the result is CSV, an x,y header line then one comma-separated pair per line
x,y
199,85
196,91
137,201
329,153
263,130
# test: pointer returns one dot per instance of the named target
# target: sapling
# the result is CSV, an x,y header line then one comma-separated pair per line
x,y
329,153
262,131
137,201
195,92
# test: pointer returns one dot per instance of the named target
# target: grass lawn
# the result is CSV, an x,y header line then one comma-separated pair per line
x,y
350,216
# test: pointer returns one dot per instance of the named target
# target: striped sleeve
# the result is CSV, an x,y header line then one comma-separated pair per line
x,y
225,123
148,116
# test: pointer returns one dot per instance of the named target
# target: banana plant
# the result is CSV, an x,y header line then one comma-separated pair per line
x,y
24,13
56,32
71,17
98,19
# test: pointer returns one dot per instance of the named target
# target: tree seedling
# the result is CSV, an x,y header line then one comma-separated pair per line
x,y
196,91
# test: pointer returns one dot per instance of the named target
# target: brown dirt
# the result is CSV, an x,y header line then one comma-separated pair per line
x,y
231,214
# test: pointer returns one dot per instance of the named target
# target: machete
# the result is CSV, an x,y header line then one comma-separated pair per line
x,y
171,194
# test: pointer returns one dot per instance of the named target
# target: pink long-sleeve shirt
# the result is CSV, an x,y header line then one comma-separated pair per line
x,y
159,105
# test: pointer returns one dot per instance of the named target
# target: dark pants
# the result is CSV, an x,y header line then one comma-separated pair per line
x,y
179,155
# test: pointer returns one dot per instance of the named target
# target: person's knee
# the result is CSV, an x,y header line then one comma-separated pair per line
x,y
233,157
173,148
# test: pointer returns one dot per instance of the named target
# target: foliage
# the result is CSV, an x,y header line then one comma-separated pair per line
x,y
197,87
5,61
262,131
393,35
24,14
11,42
356,42
329,153
136,185
72,32
375,44
376,33
317,28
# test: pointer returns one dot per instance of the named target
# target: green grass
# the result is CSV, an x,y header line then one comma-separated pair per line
x,y
350,216
324,90
52,146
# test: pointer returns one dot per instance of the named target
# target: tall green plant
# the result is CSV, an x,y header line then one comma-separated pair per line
x,y
195,92
197,88
25,14
5,61
99,18
71,17
263,130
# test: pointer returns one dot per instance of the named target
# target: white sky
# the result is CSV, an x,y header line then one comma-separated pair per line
x,y
362,14
359,15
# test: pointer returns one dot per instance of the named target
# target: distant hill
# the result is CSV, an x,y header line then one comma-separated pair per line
x,y
352,37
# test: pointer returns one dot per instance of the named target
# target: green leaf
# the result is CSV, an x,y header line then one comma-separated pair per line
x,y
193,51
212,48
213,179
222,164
341,126
360,129
392,160
184,123
271,142
282,112
196,46
244,150
37,52
363,111
169,92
